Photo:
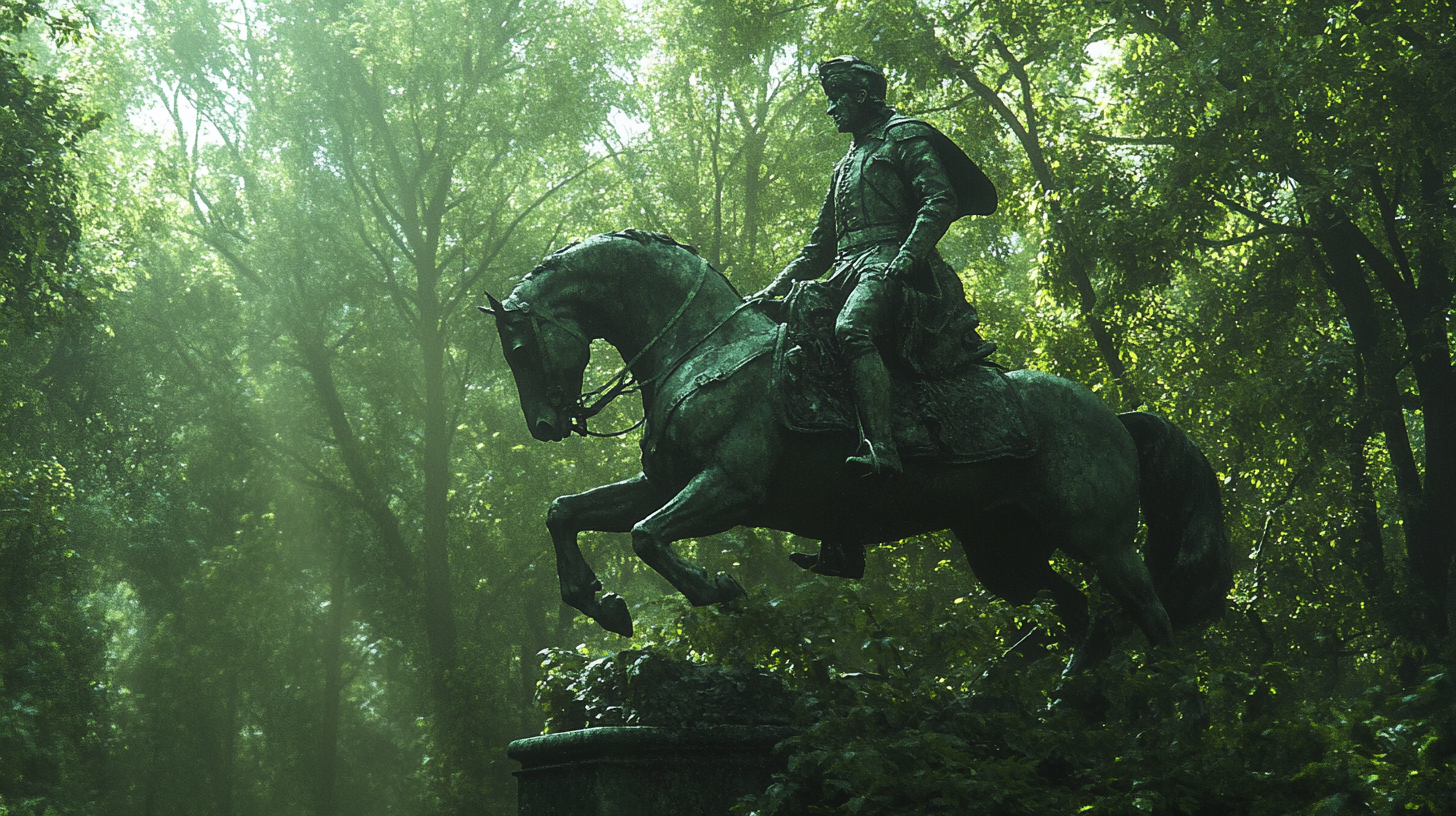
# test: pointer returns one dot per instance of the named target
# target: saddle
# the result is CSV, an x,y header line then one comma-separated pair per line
x,y
969,413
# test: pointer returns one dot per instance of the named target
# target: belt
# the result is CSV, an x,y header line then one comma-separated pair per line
x,y
863,238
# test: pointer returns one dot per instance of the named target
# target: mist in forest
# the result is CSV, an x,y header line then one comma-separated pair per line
x,y
272,529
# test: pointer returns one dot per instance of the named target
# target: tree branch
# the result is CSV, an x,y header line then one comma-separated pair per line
x,y
1387,219
1262,232
1165,141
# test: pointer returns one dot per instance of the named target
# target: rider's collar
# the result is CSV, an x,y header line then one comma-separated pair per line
x,y
876,131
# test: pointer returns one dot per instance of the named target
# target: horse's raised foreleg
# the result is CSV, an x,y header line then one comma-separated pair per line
x,y
612,508
711,503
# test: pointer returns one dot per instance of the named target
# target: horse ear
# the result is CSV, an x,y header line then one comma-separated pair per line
x,y
494,309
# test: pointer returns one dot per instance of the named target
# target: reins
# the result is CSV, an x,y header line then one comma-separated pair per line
x,y
592,402
624,382
638,386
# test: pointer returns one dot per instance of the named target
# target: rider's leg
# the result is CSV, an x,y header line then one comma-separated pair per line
x,y
838,559
864,318
877,454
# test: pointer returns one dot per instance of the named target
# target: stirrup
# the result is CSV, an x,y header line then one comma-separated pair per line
x,y
874,462
835,560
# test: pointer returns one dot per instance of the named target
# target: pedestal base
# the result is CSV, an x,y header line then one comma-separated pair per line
x,y
644,771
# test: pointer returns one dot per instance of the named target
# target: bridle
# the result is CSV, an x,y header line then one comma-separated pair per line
x,y
591,403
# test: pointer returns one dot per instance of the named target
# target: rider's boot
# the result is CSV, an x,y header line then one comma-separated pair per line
x,y
877,454
980,347
841,560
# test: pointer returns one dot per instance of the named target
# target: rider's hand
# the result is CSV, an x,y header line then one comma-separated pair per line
x,y
901,266
777,289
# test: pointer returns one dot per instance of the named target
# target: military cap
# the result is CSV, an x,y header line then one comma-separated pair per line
x,y
852,72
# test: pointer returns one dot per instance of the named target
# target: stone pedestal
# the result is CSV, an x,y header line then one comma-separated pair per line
x,y
644,771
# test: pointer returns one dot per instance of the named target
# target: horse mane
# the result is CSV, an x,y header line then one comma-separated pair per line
x,y
643,237
646,237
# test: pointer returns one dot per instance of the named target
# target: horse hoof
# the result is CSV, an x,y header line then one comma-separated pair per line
x,y
613,616
841,561
834,560
879,463
728,588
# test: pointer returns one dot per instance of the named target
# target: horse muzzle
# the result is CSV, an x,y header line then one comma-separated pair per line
x,y
543,431
551,423
547,430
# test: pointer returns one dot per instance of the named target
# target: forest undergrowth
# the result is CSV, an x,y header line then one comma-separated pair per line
x,y
908,706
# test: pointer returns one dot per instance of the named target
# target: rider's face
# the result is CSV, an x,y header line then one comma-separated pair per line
x,y
848,109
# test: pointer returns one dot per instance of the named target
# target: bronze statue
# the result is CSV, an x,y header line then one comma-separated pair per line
x,y
716,453
892,197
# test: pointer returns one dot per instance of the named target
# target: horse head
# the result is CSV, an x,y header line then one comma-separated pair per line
x,y
548,354
630,288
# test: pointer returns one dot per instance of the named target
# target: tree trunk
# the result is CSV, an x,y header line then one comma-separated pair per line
x,y
373,500
1432,549
453,710
1427,506
753,147
332,652
1077,267
1368,552
227,749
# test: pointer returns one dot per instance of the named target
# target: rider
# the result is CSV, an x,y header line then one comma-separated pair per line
x,y
890,200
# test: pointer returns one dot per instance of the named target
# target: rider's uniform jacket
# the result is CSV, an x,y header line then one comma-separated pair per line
x,y
890,192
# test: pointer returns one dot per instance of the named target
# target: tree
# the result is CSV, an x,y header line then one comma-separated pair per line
x,y
1322,136
733,159
51,649
362,175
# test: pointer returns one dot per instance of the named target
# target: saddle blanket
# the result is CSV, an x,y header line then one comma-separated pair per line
x,y
970,415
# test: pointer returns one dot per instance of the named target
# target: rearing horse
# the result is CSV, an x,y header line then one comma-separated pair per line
x,y
716,457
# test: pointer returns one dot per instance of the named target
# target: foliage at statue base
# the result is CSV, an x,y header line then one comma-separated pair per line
x,y
905,708
1140,741
643,687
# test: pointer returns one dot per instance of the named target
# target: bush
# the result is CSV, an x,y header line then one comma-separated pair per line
x,y
905,705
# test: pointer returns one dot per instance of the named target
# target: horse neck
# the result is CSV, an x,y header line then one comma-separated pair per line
x,y
634,303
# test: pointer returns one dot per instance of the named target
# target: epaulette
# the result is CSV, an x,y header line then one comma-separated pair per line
x,y
975,193
901,128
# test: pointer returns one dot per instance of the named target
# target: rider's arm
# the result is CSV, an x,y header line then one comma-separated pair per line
x,y
816,257
925,173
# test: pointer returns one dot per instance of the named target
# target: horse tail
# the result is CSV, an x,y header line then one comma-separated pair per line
x,y
1187,552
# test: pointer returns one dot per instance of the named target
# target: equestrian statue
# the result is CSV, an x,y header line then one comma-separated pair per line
x,y
858,411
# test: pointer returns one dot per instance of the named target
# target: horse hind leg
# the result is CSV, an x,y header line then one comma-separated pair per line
x,y
1101,533
1012,561
1125,577
1122,573
1011,558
